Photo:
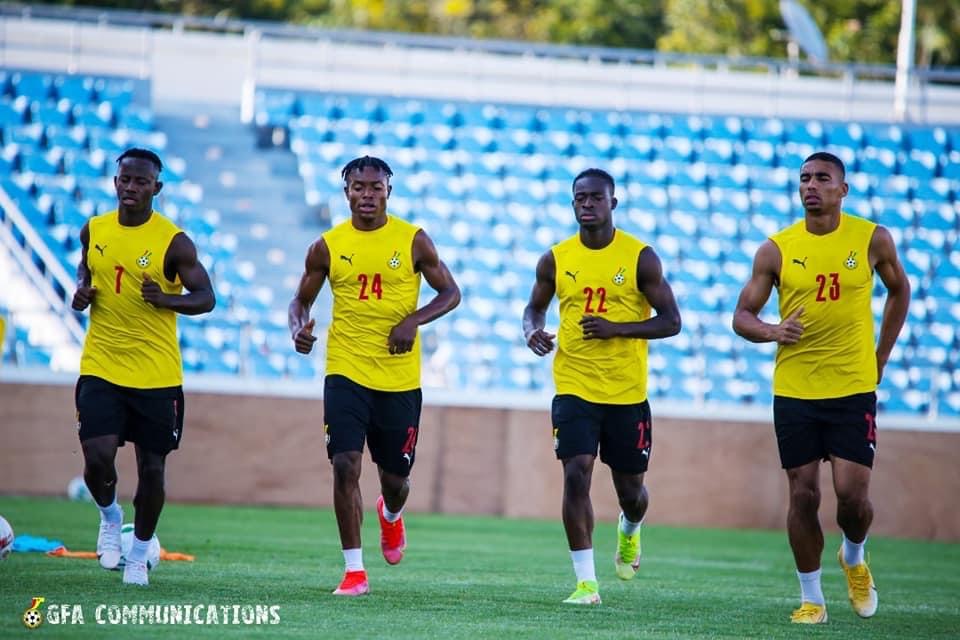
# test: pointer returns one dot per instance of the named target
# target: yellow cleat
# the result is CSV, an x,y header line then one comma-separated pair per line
x,y
860,588
627,559
587,592
809,613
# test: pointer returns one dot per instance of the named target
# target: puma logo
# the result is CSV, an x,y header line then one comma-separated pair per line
x,y
802,263
346,259
572,275
99,248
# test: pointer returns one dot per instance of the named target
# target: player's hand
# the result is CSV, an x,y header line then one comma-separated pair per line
x,y
303,339
597,328
540,342
82,298
790,330
402,336
151,292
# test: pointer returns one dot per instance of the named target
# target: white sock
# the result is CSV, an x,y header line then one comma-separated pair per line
x,y
390,516
629,528
853,552
111,512
138,550
353,559
810,590
583,565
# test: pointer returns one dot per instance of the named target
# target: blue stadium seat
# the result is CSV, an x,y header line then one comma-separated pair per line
x,y
76,89
36,87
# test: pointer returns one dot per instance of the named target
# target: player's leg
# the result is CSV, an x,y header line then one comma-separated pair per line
x,y
346,413
576,430
148,503
626,443
852,445
158,416
800,442
101,416
393,446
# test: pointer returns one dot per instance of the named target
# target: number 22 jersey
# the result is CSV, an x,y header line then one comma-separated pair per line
x,y
600,282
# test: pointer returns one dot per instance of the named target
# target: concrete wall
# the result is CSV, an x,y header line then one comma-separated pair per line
x,y
249,449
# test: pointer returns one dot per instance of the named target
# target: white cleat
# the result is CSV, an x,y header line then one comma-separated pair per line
x,y
108,544
135,573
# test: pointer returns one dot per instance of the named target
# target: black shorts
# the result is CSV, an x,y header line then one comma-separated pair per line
x,y
388,420
151,418
623,433
809,430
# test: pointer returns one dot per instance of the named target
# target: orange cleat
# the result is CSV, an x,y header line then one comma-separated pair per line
x,y
354,583
393,538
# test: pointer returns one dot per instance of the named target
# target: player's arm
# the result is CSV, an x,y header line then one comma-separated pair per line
x,y
428,262
315,271
746,319
181,261
84,294
535,313
657,291
886,262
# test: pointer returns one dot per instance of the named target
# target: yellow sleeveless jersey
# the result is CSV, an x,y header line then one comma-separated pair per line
x,y
601,282
130,342
374,287
831,278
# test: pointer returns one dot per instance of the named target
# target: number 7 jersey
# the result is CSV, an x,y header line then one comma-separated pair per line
x,y
831,278
374,287
603,283
129,342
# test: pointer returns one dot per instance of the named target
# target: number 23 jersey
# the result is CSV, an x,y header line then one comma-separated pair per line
x,y
603,283
831,278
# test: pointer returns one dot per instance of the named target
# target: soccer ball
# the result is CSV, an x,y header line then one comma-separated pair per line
x,y
6,538
126,544
77,490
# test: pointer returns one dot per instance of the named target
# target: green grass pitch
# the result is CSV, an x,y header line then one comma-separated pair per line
x,y
466,577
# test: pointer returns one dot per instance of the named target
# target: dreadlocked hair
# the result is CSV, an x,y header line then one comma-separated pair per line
x,y
359,164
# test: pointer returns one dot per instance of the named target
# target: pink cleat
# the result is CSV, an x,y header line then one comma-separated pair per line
x,y
354,583
393,538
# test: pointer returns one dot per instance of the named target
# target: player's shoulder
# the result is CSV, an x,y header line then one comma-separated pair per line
x,y
858,222
164,221
627,239
789,232
399,223
568,243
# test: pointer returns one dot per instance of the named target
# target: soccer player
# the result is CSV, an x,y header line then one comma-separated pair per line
x,y
827,368
134,266
606,281
371,392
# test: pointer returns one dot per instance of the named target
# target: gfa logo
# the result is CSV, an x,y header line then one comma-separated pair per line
x,y
32,617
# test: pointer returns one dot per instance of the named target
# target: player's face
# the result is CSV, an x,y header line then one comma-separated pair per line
x,y
822,188
136,184
593,202
367,192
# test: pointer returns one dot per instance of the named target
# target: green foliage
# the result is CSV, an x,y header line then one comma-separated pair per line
x,y
855,30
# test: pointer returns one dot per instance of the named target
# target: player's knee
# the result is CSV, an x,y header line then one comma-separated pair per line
x,y
151,475
852,504
805,498
98,461
576,478
345,469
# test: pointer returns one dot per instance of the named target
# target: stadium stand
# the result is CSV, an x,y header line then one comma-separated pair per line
x,y
491,183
